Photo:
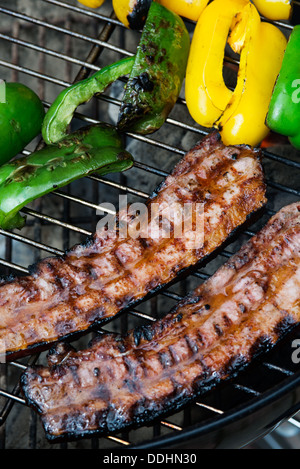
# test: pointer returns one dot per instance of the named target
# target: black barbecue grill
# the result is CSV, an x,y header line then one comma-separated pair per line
x,y
49,44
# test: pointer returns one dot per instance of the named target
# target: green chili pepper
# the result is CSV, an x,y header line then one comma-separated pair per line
x,y
284,110
21,117
62,110
157,75
96,148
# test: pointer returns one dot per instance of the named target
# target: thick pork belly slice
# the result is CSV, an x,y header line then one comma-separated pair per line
x,y
120,381
94,281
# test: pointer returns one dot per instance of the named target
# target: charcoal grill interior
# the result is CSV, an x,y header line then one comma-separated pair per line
x,y
49,44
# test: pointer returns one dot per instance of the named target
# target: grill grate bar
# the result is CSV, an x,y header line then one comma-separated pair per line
x,y
59,29
90,13
246,389
34,73
55,221
284,371
13,397
50,52
13,266
23,239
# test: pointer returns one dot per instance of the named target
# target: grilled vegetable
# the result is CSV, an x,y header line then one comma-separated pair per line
x,y
114,270
93,149
133,13
243,120
157,75
62,110
243,310
206,93
190,9
284,111
275,9
240,114
92,3
21,117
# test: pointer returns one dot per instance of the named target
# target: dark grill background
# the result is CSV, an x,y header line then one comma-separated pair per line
x,y
49,44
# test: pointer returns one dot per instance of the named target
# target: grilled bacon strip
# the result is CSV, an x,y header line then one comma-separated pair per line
x,y
119,381
93,282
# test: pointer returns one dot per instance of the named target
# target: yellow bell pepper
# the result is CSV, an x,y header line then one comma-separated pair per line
x,y
240,114
275,9
206,92
190,9
243,120
92,3
132,13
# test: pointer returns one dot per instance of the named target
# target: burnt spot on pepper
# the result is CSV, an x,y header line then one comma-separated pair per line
x,y
150,59
51,165
122,156
163,24
129,110
22,174
82,148
142,83
138,15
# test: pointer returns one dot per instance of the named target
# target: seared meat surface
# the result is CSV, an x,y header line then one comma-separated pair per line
x,y
94,281
118,381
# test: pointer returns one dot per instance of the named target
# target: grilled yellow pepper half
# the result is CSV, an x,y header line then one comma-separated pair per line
x,y
190,9
92,3
239,115
132,13
206,92
275,9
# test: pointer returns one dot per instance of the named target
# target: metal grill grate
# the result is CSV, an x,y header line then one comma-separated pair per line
x,y
45,51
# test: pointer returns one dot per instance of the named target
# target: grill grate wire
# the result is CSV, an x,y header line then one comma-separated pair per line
x,y
78,225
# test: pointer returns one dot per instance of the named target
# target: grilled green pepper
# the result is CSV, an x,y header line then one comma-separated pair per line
x,y
96,148
284,110
21,117
157,75
61,112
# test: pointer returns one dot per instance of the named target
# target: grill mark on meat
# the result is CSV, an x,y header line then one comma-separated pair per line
x,y
218,330
165,358
94,281
192,344
178,367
